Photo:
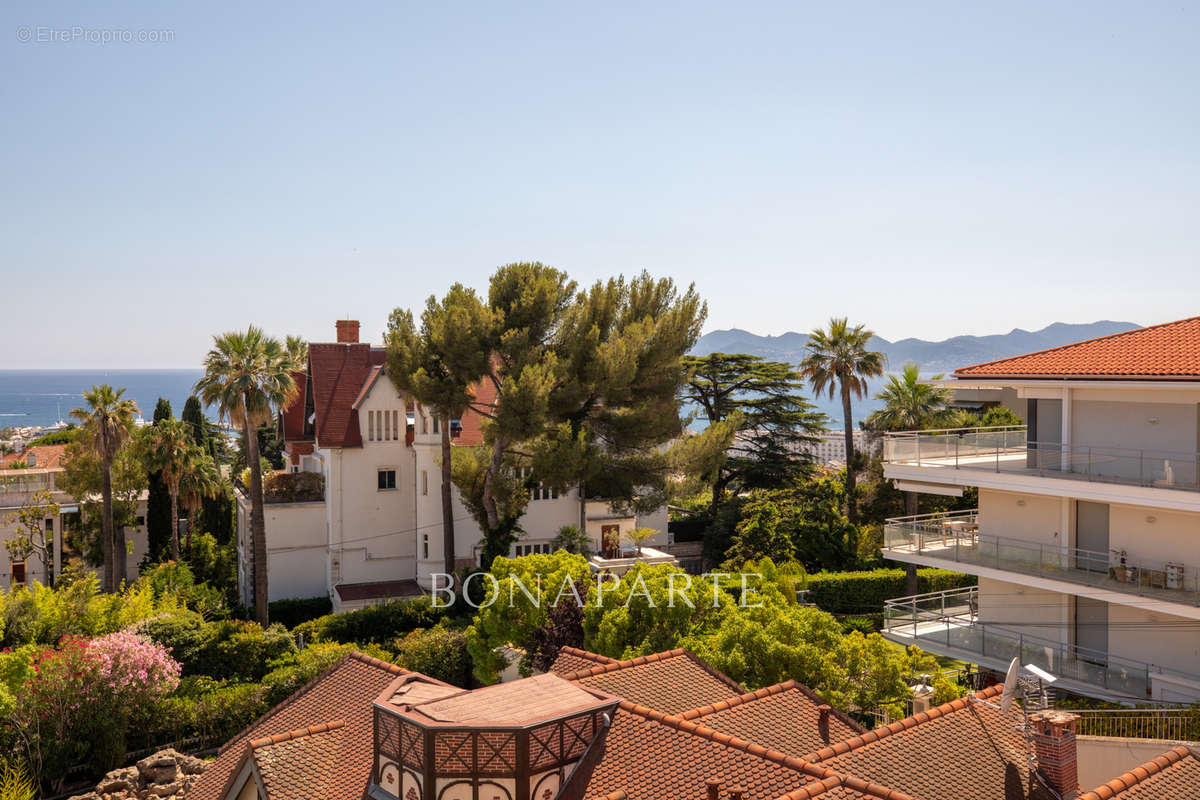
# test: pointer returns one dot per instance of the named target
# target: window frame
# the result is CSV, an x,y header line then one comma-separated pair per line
x,y
381,480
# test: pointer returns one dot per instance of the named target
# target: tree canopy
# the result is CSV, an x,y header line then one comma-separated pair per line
x,y
775,424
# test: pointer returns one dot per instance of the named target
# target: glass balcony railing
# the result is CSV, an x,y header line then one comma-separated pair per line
x,y
1006,449
955,538
946,623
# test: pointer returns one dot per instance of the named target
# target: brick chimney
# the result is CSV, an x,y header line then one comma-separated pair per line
x,y
347,331
823,721
712,788
1054,744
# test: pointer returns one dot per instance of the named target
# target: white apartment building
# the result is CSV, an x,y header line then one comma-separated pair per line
x,y
1086,539
23,476
376,531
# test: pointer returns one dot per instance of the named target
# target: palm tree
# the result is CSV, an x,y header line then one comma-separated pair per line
x,y
838,358
171,451
201,479
248,376
107,422
909,404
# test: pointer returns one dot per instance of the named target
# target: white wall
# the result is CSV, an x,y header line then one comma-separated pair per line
x,y
1018,607
1032,518
1102,758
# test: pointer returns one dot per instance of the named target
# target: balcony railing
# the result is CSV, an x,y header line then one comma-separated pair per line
x,y
955,538
1173,724
946,622
1006,449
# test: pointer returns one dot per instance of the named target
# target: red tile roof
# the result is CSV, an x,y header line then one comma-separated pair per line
x,y
911,755
786,717
301,764
338,372
292,417
572,659
344,692
1170,351
1172,776
378,590
670,682
46,456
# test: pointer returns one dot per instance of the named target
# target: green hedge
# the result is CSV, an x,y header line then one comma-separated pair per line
x,y
290,613
375,624
865,592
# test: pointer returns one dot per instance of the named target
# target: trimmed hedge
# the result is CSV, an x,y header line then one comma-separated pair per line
x,y
290,613
375,624
865,592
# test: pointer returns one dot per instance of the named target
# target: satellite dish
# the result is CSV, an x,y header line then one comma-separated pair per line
x,y
1010,686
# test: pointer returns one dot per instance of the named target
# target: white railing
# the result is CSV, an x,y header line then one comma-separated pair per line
x,y
1006,449
955,537
946,622
1172,724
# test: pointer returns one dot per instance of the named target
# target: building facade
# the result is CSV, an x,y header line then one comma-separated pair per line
x,y
1086,539
24,476
375,530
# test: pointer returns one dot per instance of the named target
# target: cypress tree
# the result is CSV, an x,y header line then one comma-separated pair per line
x,y
216,513
158,504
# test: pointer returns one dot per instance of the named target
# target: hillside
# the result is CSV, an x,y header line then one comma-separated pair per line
x,y
943,356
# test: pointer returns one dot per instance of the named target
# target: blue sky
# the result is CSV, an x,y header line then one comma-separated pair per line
x,y
929,169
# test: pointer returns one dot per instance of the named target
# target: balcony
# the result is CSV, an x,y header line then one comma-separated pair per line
x,y
625,558
955,539
946,623
1006,450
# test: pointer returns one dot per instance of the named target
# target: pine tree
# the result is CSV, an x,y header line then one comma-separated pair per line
x,y
158,503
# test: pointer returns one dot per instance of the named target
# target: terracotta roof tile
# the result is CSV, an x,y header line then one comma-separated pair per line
x,y
345,692
670,682
911,755
45,456
338,373
1172,776
301,764
785,717
1170,351
292,417
572,659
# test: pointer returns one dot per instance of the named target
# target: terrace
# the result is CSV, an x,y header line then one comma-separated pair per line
x,y
954,541
1007,450
946,623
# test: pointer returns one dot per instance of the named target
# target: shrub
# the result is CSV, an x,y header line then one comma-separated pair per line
x,y
374,624
215,715
292,670
291,613
865,592
293,487
223,650
439,652
572,539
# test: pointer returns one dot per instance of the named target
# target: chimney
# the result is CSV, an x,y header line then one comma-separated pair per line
x,y
31,458
823,721
736,793
713,788
1054,744
347,331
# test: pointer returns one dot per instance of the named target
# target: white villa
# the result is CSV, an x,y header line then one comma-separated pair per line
x,y
1086,539
22,476
375,531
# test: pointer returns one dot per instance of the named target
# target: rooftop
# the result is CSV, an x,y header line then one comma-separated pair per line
x,y
671,682
1170,351
515,703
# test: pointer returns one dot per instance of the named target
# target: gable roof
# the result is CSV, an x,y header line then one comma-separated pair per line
x,y
1170,351
671,682
345,692
299,765
45,456
338,373
649,755
786,717
1172,776
911,755
572,659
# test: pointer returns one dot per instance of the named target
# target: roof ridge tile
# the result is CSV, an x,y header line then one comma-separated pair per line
x,y
1131,778
311,730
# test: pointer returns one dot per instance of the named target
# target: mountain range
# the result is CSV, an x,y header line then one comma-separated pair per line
x,y
944,356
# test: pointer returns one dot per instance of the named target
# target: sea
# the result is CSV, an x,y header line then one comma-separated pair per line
x,y
43,397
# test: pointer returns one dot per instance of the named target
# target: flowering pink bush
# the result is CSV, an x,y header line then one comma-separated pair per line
x,y
131,669
82,697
